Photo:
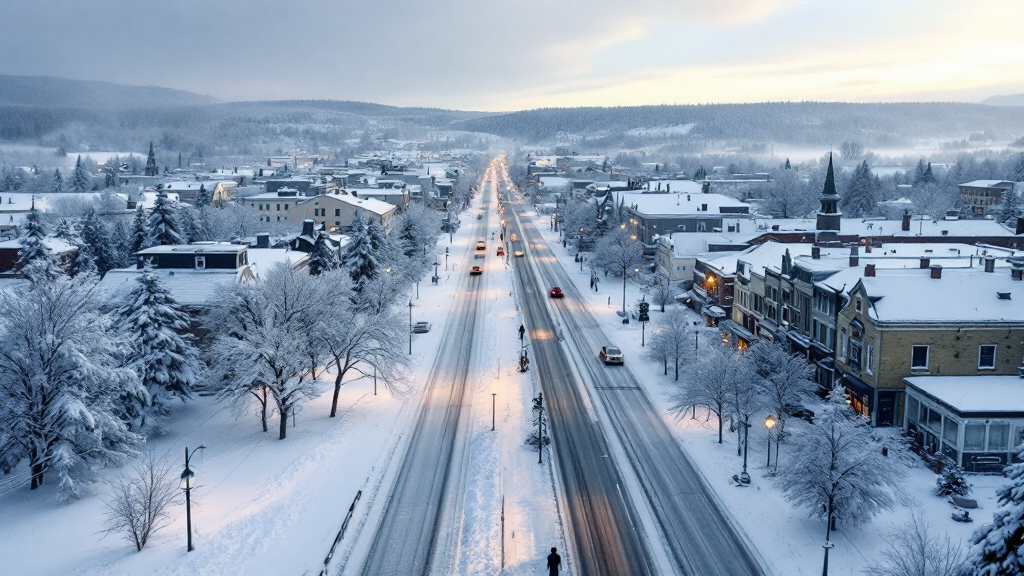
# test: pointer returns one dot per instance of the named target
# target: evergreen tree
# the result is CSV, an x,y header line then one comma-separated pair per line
x,y
121,243
928,177
179,160
859,199
84,262
360,260
35,260
66,231
163,226
164,355
80,179
96,236
56,182
1009,208
151,168
700,174
998,547
1017,170
203,197
919,172
140,230
406,237
788,165
323,258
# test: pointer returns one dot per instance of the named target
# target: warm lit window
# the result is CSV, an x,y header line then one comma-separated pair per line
x,y
919,358
986,357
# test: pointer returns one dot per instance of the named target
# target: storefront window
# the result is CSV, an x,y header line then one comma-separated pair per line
x,y
950,428
974,438
912,408
998,437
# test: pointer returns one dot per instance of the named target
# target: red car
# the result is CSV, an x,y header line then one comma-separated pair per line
x,y
556,292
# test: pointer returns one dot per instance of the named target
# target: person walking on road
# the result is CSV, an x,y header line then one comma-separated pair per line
x,y
554,562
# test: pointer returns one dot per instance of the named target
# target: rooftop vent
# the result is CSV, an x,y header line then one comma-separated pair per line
x,y
1003,295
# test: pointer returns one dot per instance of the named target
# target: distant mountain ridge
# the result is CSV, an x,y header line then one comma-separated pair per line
x,y
1005,100
52,92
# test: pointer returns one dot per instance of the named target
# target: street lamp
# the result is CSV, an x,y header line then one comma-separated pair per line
x,y
186,485
410,327
769,423
744,477
579,248
828,545
696,335
446,259
494,396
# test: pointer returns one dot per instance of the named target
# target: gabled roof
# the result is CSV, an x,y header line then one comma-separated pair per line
x,y
968,296
194,288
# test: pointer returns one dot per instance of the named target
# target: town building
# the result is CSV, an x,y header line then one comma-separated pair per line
x,y
980,197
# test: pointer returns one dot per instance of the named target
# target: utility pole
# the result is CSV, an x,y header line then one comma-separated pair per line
x,y
540,427
410,327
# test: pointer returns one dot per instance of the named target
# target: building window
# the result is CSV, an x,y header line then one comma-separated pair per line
x,y
869,358
278,207
858,305
974,438
919,358
200,262
998,437
842,345
337,212
337,222
855,353
950,430
987,357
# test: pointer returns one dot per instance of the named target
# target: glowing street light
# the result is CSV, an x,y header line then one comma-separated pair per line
x,y
769,423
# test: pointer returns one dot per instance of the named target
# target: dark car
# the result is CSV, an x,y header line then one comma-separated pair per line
x,y
476,271
556,292
611,355
798,411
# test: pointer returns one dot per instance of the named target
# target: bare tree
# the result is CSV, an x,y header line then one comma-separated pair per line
x,y
619,253
662,291
670,341
915,551
263,346
710,383
356,341
137,507
851,150
784,378
839,469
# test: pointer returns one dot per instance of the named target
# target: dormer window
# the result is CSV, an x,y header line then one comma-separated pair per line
x,y
200,262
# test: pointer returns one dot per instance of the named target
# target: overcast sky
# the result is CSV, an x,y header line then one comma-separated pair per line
x,y
517,54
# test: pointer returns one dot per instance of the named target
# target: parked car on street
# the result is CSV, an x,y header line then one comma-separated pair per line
x,y
501,251
518,254
798,411
556,292
611,355
514,237
421,327
481,245
476,270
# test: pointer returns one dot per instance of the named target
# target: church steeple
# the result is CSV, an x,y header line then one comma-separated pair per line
x,y
829,214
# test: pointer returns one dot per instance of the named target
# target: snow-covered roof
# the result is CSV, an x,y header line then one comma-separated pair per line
x,y
56,245
867,228
262,259
196,248
655,204
378,207
693,243
970,296
189,185
987,183
189,287
973,393
673,186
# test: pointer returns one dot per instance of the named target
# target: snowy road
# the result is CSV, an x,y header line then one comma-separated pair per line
x,y
600,525
699,537
409,539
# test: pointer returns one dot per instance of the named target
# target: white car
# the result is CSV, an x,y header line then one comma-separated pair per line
x,y
611,355
421,327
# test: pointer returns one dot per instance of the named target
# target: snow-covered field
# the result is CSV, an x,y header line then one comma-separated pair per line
x,y
787,538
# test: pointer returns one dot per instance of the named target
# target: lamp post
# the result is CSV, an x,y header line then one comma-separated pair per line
x,y
186,485
744,477
769,423
436,264
579,248
410,326
446,259
828,545
494,396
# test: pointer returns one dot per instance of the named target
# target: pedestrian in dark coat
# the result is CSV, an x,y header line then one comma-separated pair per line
x,y
554,562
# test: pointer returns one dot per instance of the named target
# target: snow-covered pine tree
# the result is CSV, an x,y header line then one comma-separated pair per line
x,y
1009,208
359,259
203,198
952,481
80,179
151,168
140,229
998,547
34,259
859,199
163,226
65,230
323,257
919,171
96,236
56,182
164,357
121,243
1017,169
62,377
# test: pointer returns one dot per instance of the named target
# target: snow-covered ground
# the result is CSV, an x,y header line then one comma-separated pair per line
x,y
787,538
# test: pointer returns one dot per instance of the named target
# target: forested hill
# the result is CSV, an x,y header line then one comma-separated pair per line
x,y
50,92
817,123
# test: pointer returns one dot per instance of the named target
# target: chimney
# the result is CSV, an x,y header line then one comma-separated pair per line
x,y
867,248
990,264
1017,274
854,256
869,270
905,224
263,240
815,252
936,271
307,227
1020,225
925,262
